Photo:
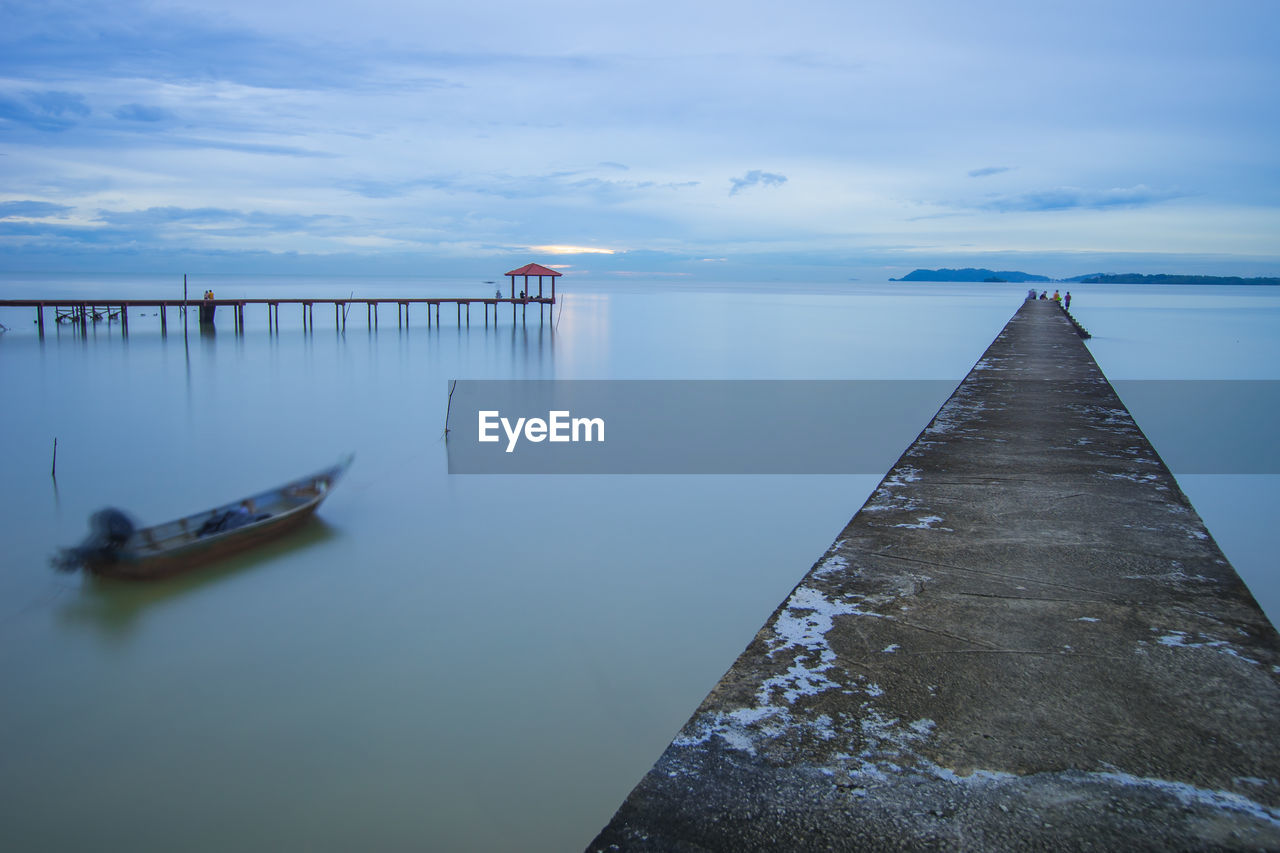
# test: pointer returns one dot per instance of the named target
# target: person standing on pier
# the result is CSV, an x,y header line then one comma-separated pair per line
x,y
1067,300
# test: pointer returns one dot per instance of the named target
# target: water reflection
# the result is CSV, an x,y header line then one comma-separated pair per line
x,y
113,607
375,662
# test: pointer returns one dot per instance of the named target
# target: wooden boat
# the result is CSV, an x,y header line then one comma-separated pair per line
x,y
116,549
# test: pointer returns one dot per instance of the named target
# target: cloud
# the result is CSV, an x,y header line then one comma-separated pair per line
x,y
30,209
756,178
514,187
215,218
142,112
1071,198
987,170
245,147
46,111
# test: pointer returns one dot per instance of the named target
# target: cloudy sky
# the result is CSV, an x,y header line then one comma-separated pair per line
x,y
713,139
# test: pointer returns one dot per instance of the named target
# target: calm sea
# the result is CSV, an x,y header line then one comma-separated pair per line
x,y
447,662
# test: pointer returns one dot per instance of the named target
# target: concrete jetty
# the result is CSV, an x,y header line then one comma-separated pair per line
x,y
1026,639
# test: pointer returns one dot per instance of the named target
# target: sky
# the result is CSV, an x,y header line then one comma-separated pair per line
x,y
719,140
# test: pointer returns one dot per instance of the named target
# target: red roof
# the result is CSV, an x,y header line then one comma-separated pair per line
x,y
532,269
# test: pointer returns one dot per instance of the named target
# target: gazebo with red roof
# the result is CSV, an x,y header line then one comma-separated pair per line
x,y
530,270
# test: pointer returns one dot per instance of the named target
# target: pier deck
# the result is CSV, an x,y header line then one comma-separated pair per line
x,y
1026,639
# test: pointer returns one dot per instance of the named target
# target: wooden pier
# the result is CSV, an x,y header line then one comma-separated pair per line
x,y
83,312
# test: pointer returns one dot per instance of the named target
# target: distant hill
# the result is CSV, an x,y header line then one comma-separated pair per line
x,y
1136,278
970,274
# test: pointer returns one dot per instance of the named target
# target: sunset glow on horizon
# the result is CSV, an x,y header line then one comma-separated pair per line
x,y
557,249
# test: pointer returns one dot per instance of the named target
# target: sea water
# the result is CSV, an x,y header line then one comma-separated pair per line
x,y
447,662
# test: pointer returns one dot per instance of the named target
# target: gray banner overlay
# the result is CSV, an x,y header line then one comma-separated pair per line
x,y
802,426
1208,426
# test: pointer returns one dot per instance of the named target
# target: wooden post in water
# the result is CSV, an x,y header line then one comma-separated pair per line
x,y
164,322
124,320
40,318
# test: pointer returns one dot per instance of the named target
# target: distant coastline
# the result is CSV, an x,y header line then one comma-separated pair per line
x,y
1136,278
970,274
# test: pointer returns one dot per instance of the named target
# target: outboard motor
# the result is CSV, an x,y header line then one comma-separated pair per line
x,y
109,529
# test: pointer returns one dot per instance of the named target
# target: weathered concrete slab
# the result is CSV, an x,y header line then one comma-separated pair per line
x,y
1026,639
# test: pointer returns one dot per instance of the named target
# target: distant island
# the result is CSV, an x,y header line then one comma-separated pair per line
x,y
969,274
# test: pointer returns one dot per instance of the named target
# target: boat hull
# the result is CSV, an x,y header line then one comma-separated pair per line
x,y
196,540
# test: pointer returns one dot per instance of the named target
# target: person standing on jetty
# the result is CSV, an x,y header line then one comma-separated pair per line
x,y
1067,301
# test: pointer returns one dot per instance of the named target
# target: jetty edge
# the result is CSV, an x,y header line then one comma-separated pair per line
x,y
1025,639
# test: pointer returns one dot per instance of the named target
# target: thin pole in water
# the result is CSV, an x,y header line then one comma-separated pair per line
x,y
54,471
449,407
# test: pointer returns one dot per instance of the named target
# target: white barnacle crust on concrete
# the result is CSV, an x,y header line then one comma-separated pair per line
x,y
1183,640
801,630
954,414
890,496
1192,795
925,522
